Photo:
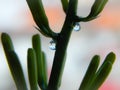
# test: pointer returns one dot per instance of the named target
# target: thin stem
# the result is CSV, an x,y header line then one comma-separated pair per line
x,y
61,47
90,73
59,62
32,69
13,62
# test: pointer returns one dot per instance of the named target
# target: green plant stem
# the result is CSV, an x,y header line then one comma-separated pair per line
x,y
32,69
59,62
64,5
61,46
45,79
13,62
90,73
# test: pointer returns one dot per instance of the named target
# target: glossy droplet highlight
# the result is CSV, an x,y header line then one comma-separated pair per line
x,y
77,27
52,45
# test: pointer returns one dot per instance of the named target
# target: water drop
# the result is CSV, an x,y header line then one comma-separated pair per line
x,y
77,27
52,45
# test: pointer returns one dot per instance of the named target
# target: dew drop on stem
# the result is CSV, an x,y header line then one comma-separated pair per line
x,y
52,45
77,27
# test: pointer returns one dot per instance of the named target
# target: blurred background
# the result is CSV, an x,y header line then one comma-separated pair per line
x,y
99,36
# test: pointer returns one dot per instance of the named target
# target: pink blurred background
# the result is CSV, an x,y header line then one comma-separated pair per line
x,y
100,36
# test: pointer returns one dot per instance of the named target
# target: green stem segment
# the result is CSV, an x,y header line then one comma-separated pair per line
x,y
13,62
40,18
61,46
41,62
103,72
59,62
32,69
36,43
45,78
91,71
64,5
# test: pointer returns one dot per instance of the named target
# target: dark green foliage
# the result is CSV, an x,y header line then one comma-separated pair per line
x,y
103,71
90,73
41,62
97,7
32,69
45,75
7,42
94,78
13,62
40,17
64,5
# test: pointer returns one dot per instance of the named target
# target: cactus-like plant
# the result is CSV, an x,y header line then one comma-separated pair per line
x,y
37,70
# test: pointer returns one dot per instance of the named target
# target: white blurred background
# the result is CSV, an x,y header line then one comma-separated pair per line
x,y
100,36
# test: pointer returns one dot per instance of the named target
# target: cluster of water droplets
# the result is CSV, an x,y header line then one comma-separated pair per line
x,y
77,27
52,45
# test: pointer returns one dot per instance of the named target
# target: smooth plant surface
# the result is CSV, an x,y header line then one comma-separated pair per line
x,y
36,59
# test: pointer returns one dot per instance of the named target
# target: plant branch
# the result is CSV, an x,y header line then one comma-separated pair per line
x,y
61,47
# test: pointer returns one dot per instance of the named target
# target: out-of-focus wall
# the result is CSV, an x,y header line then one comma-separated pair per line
x,y
100,36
